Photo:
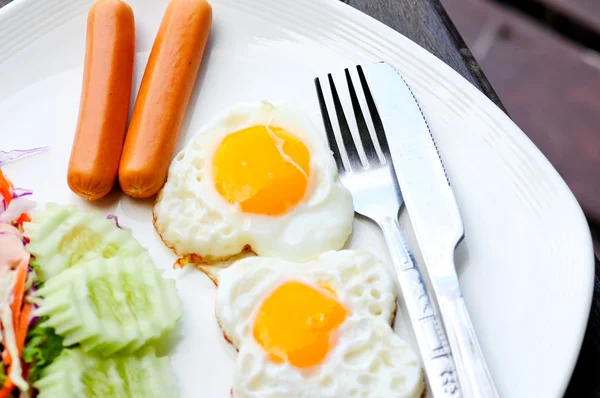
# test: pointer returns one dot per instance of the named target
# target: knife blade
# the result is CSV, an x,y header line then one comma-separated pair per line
x,y
434,215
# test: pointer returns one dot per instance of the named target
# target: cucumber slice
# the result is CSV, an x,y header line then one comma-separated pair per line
x,y
62,236
75,374
109,306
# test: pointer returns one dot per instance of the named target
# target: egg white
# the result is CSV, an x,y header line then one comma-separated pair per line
x,y
360,281
192,218
368,358
367,361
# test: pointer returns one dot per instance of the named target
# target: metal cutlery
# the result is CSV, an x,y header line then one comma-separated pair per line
x,y
376,195
434,216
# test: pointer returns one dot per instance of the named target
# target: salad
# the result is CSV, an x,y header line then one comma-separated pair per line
x,y
57,263
26,346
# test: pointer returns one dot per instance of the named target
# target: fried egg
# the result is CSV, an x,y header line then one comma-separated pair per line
x,y
317,329
260,177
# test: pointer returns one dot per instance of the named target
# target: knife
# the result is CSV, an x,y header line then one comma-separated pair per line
x,y
434,215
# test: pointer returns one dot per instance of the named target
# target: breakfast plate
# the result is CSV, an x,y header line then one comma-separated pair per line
x,y
525,266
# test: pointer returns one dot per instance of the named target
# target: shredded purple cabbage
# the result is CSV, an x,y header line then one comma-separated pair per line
x,y
34,318
20,192
113,217
32,290
9,156
32,321
16,193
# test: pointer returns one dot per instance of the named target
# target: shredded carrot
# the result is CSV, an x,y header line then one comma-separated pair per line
x,y
6,195
5,187
22,327
23,218
18,296
5,181
20,335
19,290
20,311
7,388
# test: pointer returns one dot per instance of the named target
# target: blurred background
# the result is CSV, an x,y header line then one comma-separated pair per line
x,y
542,57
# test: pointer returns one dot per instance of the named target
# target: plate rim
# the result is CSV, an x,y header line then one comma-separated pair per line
x,y
18,10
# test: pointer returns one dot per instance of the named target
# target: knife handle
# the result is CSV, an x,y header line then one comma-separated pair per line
x,y
431,338
474,376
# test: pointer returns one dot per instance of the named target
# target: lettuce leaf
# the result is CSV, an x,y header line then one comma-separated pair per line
x,y
42,346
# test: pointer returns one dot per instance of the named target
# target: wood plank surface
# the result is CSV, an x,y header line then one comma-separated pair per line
x,y
427,23
585,11
550,86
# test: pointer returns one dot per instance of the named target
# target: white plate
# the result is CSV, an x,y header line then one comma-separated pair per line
x,y
526,265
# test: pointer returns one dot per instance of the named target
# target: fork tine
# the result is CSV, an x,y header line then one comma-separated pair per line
x,y
333,145
379,131
347,139
363,129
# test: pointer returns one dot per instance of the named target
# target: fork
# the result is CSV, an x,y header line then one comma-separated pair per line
x,y
377,196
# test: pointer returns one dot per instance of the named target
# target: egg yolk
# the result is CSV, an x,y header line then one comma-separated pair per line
x,y
263,169
295,324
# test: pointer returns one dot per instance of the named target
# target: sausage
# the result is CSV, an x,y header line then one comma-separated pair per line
x,y
105,98
164,96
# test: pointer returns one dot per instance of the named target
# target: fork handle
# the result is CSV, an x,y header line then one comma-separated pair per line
x,y
431,338
474,375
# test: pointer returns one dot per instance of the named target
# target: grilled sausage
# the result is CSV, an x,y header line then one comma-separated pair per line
x,y
163,97
105,98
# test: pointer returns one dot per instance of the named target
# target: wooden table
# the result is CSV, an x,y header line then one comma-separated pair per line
x,y
426,23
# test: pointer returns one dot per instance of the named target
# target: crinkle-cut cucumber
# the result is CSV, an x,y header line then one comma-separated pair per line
x,y
62,236
75,374
109,306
